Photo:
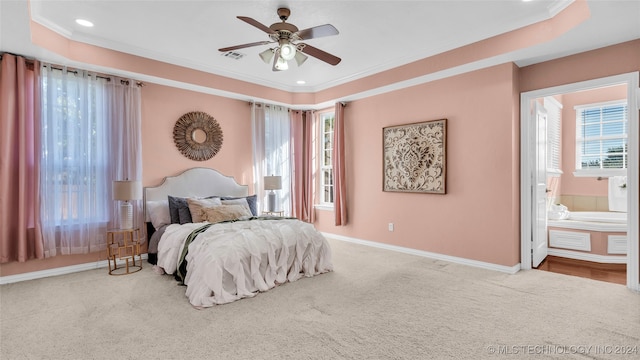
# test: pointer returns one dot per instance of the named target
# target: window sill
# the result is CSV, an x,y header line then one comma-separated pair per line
x,y
324,207
600,173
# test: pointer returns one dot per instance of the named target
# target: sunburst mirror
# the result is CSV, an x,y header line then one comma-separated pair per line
x,y
197,135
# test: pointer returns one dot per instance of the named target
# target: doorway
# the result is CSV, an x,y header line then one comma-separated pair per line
x,y
532,218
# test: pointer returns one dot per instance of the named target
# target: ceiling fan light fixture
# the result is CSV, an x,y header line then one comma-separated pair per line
x,y
281,64
267,55
286,36
287,51
300,58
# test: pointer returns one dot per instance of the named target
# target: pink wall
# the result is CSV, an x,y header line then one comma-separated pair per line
x,y
483,157
572,185
163,105
482,169
612,60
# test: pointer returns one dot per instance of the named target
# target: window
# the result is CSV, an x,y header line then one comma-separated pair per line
x,y
326,165
601,138
90,131
75,158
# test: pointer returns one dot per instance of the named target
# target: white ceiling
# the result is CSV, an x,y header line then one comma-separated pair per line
x,y
374,35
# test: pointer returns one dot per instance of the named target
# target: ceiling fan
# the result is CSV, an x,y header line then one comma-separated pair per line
x,y
287,36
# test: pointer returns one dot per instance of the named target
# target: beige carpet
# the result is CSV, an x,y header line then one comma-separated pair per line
x,y
377,304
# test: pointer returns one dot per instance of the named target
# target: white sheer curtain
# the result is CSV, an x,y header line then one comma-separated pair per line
x,y
125,148
259,160
88,140
271,132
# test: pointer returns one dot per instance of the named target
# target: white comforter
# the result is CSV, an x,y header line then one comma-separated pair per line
x,y
230,261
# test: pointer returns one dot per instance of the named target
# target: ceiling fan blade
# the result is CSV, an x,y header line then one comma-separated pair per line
x,y
317,31
319,54
257,24
245,45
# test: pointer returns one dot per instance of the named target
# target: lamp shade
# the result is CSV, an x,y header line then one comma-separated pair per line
x,y
281,64
273,182
300,58
267,55
125,190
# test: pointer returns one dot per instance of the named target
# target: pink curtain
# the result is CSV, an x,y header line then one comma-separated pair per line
x,y
20,228
339,178
296,164
302,165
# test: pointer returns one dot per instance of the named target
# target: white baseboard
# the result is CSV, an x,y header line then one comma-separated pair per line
x,y
56,271
603,259
458,260
103,264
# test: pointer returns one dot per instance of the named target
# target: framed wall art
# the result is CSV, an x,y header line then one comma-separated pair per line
x,y
415,157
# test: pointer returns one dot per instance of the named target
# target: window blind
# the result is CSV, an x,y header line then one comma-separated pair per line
x,y
601,136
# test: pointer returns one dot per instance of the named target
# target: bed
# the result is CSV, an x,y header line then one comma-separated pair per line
x,y
206,231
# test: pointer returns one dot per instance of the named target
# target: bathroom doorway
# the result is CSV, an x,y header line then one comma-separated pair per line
x,y
537,191
612,273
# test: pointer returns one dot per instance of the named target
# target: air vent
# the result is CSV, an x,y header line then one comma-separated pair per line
x,y
233,55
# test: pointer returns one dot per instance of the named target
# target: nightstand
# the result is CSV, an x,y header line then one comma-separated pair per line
x,y
123,251
273,213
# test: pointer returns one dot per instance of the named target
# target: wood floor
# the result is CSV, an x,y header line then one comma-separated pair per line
x,y
614,273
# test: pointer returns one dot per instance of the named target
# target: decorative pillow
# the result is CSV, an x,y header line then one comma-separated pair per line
x,y
242,202
195,205
175,204
184,215
252,201
158,212
224,213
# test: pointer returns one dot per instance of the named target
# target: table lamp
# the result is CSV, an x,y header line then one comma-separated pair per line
x,y
272,183
126,190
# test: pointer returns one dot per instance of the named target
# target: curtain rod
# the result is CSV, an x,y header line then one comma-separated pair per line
x,y
250,102
27,58
31,60
266,105
98,75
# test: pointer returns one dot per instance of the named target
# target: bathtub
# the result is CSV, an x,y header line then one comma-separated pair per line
x,y
599,216
604,221
590,235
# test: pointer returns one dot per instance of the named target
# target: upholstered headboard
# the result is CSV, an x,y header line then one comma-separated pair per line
x,y
195,182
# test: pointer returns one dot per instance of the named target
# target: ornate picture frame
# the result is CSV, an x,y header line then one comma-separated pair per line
x,y
415,157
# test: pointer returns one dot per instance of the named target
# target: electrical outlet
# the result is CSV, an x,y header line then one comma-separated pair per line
x,y
390,226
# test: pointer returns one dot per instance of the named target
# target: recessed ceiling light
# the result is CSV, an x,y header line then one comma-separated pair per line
x,y
301,82
84,22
